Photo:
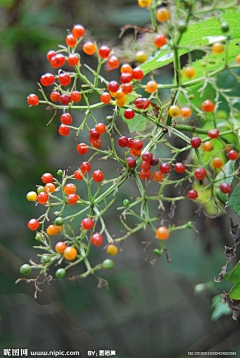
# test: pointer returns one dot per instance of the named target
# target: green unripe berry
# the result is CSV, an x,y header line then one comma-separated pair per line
x,y
59,221
60,172
38,236
191,96
157,252
182,26
126,202
109,118
108,264
224,26
25,269
189,225
40,189
60,273
45,259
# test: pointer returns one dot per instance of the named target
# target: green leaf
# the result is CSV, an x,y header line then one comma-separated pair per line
x,y
220,308
137,124
235,292
198,35
234,275
234,200
227,170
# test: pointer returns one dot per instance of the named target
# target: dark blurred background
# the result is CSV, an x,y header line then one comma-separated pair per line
x,y
151,309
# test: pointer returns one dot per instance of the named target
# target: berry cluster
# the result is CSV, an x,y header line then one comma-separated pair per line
x,y
210,152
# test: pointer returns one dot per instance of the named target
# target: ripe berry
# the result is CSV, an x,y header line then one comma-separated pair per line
x,y
112,250
96,143
89,48
137,73
31,196
151,87
192,194
147,157
144,3
145,165
104,51
130,142
174,111
72,199
165,168
238,58
160,40
78,30
113,62
137,144
145,174
70,188
32,99
225,188
217,162
55,96
78,175
65,99
129,113
213,133
207,106
94,134
98,176
85,167
126,77
200,173
122,141
142,103
127,88
232,155
49,188
87,223
217,47
135,152
113,86
196,142
47,178
189,72
33,224
141,57
60,247
105,98
73,59
162,14
66,118
58,60
179,168
185,112
207,146
42,198
76,96
97,239
47,79
100,128
70,253
64,79
50,54
52,230
131,162
71,40
154,161
126,68
157,176
162,233
63,130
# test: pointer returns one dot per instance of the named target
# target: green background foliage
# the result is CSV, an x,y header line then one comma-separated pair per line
x,y
150,303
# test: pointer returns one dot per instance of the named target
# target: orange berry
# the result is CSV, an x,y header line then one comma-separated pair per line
x,y
70,253
174,111
207,147
70,188
151,86
217,47
49,188
217,162
185,112
162,233
162,14
60,247
52,230
189,72
89,48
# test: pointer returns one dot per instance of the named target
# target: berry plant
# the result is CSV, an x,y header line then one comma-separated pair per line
x,y
183,142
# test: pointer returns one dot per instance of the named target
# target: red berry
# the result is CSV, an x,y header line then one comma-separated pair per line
x,y
64,79
145,165
200,173
131,162
93,133
145,174
213,133
55,96
65,99
142,103
127,88
105,98
76,96
98,176
87,223
47,79
104,51
232,155
126,77
78,175
157,176
113,86
42,197
33,224
122,141
126,68
78,30
154,161
147,156
47,178
137,73
96,143
225,188
66,118
137,144
129,113
100,128
82,148
85,167
113,62
165,168
207,106
63,130
196,142
73,59
72,199
130,142
160,40
97,239
192,194
179,168
71,40
50,54
57,61
32,99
